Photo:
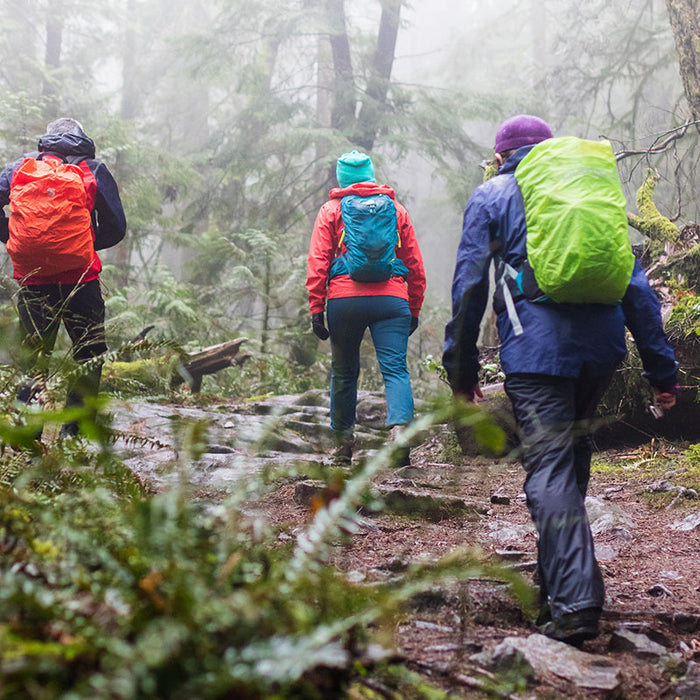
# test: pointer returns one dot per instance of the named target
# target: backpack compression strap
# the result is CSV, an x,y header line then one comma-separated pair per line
x,y
509,272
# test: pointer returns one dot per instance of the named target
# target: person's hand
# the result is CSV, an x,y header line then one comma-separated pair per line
x,y
664,399
414,324
319,327
470,394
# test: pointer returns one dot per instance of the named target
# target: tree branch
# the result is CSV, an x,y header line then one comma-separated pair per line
x,y
659,146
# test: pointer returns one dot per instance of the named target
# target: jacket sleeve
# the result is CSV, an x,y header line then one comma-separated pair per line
x,y
5,182
643,318
409,253
321,254
470,288
110,221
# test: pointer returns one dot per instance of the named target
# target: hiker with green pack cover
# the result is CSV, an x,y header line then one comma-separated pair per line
x,y
553,221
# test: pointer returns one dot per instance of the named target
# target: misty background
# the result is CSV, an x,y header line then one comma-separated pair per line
x,y
222,121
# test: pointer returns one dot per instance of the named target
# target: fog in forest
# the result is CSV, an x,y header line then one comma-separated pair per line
x,y
222,121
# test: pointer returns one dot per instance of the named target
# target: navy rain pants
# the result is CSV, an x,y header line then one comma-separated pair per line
x,y
553,415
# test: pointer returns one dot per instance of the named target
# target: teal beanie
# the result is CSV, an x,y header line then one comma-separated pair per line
x,y
354,167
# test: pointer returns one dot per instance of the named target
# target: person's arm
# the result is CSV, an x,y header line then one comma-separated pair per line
x,y
470,287
321,254
110,221
643,318
409,253
5,183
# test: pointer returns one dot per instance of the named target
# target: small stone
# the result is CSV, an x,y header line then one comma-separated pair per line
x,y
658,590
499,497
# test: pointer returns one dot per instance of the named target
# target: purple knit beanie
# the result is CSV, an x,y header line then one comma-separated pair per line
x,y
521,130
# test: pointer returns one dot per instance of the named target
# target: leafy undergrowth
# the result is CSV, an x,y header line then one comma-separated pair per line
x,y
108,590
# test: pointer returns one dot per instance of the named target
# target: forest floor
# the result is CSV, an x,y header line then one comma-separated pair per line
x,y
642,503
646,522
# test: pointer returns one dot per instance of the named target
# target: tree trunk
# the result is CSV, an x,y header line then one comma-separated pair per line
x,y
685,22
375,100
343,111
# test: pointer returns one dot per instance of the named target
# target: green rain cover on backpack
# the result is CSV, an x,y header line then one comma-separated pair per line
x,y
575,211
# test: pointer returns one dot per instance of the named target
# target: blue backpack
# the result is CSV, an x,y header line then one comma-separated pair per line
x,y
370,237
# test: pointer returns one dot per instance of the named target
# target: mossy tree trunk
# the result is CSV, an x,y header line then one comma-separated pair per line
x,y
685,22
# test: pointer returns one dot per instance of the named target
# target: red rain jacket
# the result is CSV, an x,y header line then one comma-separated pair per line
x,y
324,248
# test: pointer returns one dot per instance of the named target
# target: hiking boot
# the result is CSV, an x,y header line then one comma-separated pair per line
x,y
401,454
574,628
342,454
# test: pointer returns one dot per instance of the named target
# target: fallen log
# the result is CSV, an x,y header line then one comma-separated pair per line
x,y
209,361
159,373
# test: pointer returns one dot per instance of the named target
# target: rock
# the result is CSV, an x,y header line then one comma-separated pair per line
x,y
500,498
637,643
606,516
314,397
220,449
689,688
647,630
405,501
538,655
502,532
658,590
304,491
663,486
691,522
683,622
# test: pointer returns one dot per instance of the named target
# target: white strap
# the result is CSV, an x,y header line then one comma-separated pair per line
x,y
509,271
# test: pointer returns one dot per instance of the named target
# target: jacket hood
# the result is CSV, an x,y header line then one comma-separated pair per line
x,y
363,189
67,145
514,159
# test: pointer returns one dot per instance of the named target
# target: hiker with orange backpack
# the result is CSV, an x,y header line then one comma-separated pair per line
x,y
554,222
366,270
64,206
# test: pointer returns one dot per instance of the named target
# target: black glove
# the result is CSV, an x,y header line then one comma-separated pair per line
x,y
414,324
319,327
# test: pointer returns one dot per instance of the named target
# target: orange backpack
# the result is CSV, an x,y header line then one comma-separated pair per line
x,y
50,226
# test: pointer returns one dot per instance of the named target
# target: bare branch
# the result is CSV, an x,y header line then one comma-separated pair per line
x,y
671,136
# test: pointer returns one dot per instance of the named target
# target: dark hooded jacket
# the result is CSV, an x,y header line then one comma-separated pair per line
x,y
559,340
108,220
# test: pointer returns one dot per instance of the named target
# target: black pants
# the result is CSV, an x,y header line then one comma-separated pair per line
x,y
553,415
41,310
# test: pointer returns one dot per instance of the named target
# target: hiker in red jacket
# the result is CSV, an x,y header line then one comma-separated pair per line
x,y
59,278
389,308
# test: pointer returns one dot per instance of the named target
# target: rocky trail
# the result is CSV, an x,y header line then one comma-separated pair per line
x,y
472,639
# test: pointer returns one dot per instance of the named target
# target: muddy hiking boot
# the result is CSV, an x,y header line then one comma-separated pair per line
x,y
574,628
401,454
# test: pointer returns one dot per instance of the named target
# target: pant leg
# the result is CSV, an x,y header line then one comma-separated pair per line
x,y
545,411
38,308
346,325
588,390
83,314
390,338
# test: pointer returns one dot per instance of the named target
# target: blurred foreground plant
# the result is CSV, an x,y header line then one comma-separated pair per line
x,y
109,591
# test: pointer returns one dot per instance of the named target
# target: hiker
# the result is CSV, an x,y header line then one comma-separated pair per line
x,y
558,358
359,288
53,254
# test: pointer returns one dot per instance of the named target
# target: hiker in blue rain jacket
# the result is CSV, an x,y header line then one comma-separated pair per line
x,y
69,296
556,372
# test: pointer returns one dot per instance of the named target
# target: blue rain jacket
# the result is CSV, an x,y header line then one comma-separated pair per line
x,y
558,339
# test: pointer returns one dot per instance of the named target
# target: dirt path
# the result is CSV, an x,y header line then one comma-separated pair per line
x,y
648,549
